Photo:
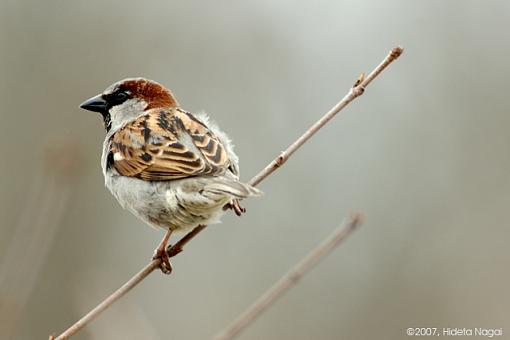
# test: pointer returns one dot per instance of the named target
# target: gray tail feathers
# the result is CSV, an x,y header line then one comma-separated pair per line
x,y
233,188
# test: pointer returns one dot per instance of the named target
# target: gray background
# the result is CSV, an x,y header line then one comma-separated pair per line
x,y
424,154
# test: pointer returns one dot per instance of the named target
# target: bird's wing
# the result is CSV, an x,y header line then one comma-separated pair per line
x,y
165,145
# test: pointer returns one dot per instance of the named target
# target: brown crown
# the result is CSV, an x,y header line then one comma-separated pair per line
x,y
156,95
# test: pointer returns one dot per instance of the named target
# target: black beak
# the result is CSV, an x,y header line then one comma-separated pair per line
x,y
96,104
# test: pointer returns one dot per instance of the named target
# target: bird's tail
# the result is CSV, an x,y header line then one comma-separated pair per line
x,y
233,188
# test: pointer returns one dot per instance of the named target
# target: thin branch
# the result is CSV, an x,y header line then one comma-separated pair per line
x,y
357,90
142,274
354,92
291,278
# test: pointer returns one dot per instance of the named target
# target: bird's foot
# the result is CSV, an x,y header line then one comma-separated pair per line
x,y
236,206
161,254
238,209
165,265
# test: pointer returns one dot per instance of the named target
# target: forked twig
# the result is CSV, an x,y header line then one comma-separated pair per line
x,y
353,93
291,278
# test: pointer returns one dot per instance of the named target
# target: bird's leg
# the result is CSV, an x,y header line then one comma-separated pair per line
x,y
236,206
160,253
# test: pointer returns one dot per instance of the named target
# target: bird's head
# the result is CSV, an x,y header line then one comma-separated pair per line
x,y
127,99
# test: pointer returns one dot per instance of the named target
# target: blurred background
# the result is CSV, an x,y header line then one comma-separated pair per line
x,y
423,154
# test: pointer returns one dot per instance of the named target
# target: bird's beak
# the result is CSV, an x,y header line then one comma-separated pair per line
x,y
96,104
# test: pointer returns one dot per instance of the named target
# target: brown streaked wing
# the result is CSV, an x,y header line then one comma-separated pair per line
x,y
150,148
209,144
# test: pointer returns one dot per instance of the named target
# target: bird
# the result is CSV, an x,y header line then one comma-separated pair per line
x,y
171,168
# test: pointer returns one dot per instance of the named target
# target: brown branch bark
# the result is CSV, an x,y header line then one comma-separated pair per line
x,y
353,93
291,278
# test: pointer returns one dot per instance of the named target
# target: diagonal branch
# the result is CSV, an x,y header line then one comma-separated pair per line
x,y
353,93
357,90
291,278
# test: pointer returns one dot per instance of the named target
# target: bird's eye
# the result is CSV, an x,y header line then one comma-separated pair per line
x,y
121,96
118,97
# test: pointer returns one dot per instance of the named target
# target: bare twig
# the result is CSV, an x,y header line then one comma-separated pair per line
x,y
142,274
357,90
354,92
291,278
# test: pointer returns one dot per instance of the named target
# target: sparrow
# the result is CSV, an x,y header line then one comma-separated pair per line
x,y
172,169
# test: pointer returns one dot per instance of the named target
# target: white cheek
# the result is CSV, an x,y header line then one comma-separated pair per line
x,y
127,111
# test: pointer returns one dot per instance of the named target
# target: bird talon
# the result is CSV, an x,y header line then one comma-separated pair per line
x,y
165,265
235,206
238,209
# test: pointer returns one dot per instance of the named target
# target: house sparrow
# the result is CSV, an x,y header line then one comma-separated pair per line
x,y
169,167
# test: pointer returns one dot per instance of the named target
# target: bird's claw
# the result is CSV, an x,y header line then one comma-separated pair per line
x,y
238,209
165,265
236,206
